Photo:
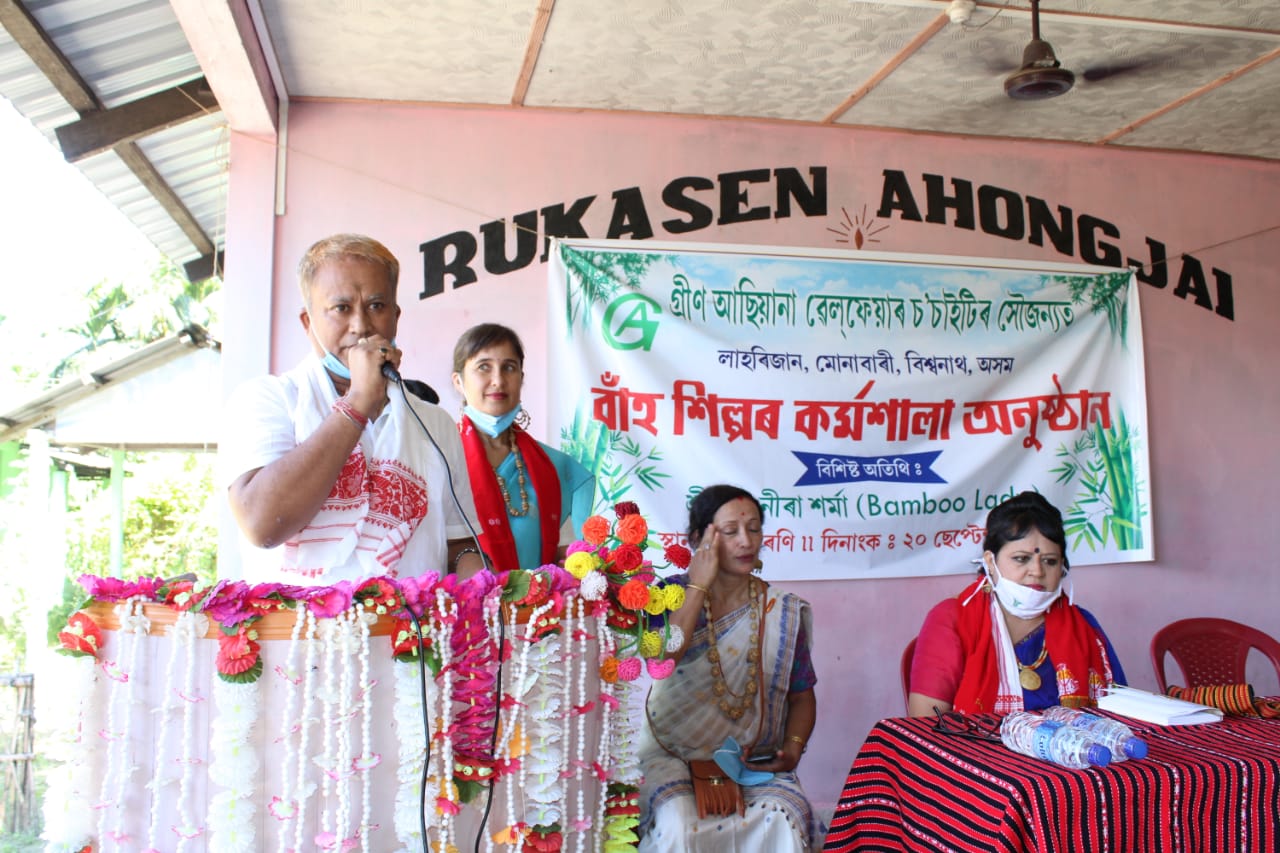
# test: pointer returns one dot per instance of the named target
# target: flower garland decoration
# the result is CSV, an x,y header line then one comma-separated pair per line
x,y
69,826
233,766
82,636
187,630
568,673
541,780
119,769
474,651
637,600
634,603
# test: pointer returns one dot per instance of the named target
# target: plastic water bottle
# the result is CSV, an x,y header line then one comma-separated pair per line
x,y
1050,740
1112,734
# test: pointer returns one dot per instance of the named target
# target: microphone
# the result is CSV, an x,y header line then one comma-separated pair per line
x,y
390,372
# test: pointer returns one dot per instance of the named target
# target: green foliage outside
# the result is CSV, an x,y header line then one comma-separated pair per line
x,y
170,523
169,503
170,526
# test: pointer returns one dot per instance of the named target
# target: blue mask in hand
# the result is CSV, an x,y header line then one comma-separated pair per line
x,y
729,759
337,368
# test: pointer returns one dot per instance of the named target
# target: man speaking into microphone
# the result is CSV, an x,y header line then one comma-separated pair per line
x,y
329,473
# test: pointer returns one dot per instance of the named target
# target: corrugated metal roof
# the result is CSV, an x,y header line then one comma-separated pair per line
x,y
125,50
182,393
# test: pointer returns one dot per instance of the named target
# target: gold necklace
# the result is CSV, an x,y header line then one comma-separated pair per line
x,y
1027,675
735,705
524,495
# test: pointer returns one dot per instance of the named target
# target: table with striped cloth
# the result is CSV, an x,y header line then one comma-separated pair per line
x,y
1213,787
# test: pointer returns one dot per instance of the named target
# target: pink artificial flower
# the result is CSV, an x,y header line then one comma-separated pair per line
x,y
660,668
419,591
265,598
225,603
578,545
236,653
326,602
82,636
629,669
282,810
105,589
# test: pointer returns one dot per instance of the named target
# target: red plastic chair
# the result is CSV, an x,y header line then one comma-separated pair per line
x,y
1209,651
907,654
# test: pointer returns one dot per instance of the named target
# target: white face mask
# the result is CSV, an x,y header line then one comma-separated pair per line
x,y
1018,600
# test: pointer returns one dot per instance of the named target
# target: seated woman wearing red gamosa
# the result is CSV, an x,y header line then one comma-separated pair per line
x,y
1011,640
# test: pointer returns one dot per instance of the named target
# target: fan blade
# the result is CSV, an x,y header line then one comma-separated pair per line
x,y
1106,70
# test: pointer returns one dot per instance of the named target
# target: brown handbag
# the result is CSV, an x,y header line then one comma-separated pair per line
x,y
714,792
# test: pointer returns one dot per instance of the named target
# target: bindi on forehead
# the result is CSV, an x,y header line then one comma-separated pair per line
x,y
740,506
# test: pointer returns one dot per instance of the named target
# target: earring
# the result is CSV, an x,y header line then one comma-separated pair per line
x,y
523,419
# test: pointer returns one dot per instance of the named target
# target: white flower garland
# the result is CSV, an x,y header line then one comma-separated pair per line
x,y
188,628
608,715
363,766
234,767
302,788
446,615
623,723
284,806
407,714
540,777
121,700
328,759
580,822
519,683
68,825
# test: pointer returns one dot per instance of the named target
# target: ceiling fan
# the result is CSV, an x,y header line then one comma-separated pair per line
x,y
1041,74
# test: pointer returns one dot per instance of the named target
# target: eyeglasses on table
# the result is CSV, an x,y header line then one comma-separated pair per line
x,y
965,725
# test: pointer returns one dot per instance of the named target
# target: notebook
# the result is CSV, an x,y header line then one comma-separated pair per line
x,y
1154,708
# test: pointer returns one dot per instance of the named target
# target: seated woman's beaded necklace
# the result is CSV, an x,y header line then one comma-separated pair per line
x,y
520,481
735,705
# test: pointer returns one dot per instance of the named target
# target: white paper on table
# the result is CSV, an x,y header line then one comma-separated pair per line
x,y
1154,708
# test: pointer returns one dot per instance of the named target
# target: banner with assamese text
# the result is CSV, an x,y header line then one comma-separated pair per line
x,y
878,406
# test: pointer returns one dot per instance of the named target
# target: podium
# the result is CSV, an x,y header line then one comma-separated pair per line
x,y
498,726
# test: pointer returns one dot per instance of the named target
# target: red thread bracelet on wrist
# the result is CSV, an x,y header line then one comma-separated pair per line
x,y
342,406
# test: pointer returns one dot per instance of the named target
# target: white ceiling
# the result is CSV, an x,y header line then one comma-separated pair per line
x,y
1205,77
1191,75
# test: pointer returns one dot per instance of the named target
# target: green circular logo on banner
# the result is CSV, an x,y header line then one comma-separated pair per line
x,y
630,322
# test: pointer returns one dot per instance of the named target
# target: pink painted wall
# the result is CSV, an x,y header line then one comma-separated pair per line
x,y
410,174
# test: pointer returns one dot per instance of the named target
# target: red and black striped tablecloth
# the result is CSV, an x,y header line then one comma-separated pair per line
x,y
1212,787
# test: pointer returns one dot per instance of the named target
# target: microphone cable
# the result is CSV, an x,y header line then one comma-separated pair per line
x,y
393,376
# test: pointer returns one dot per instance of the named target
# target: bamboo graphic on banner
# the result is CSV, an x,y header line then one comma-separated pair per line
x,y
598,277
1110,504
598,449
